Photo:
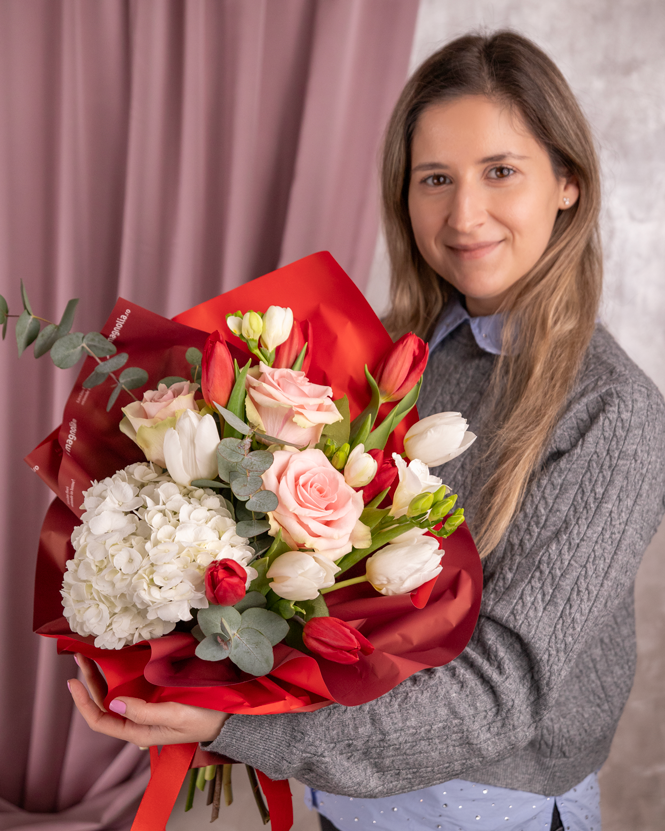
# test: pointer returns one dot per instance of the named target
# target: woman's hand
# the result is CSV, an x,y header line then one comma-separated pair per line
x,y
137,721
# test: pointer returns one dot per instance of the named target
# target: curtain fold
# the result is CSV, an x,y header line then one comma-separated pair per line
x,y
166,151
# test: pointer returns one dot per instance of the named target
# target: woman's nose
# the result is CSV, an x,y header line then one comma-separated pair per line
x,y
467,209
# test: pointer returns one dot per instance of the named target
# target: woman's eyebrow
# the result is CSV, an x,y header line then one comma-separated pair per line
x,y
499,157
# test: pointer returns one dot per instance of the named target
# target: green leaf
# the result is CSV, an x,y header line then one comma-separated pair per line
x,y
253,528
213,648
225,468
251,651
315,608
260,583
207,483
281,606
258,461
94,379
233,420
113,363
170,380
339,431
243,515
261,545
272,626
250,601
133,377
4,310
378,499
98,345
27,331
300,360
377,438
233,450
47,337
67,319
236,402
113,397
363,432
193,356
197,633
218,620
262,501
67,351
372,408
245,486
373,516
4,329
278,548
24,298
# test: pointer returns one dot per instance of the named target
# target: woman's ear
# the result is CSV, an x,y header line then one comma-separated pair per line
x,y
570,193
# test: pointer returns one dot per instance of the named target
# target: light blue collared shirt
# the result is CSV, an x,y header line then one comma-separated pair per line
x,y
486,330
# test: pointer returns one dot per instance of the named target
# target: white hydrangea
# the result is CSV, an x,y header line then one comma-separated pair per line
x,y
141,555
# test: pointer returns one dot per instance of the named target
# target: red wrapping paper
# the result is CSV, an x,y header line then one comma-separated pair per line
x,y
426,629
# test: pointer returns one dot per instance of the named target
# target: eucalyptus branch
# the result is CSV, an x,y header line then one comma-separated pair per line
x,y
110,375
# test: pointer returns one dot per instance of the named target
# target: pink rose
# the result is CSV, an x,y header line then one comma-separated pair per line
x,y
317,509
146,421
285,404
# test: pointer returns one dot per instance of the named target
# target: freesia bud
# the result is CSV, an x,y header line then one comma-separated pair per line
x,y
336,640
399,569
420,504
287,352
225,582
190,449
234,322
414,479
277,325
401,368
453,522
298,575
340,458
442,509
438,438
252,326
217,373
360,468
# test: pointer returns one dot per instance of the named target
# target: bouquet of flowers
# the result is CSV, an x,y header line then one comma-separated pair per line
x,y
260,532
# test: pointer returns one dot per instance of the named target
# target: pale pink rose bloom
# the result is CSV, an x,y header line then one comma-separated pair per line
x,y
317,509
284,403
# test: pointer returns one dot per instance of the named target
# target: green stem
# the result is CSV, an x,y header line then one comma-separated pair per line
x,y
344,583
110,375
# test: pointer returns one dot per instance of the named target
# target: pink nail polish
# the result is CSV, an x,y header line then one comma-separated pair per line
x,y
118,707
69,686
77,660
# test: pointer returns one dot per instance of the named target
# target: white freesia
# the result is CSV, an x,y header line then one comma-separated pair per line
x,y
298,575
234,322
252,326
277,325
190,449
414,479
399,569
141,553
360,468
438,438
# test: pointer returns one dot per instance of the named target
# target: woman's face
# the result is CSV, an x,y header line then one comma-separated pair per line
x,y
483,197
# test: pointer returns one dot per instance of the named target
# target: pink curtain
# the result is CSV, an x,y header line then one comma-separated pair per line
x,y
165,150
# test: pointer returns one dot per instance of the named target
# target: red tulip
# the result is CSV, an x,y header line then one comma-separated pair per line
x,y
335,640
287,352
384,478
401,367
217,373
225,582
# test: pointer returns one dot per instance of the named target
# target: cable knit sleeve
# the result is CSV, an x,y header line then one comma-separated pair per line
x,y
563,569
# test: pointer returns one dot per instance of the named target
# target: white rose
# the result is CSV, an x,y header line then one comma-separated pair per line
x,y
399,569
190,449
298,575
414,479
360,468
438,438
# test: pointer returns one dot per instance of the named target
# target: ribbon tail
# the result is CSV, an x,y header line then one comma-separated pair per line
x,y
168,771
280,801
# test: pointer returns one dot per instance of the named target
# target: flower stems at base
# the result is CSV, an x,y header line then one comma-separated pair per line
x,y
189,802
256,792
227,787
217,794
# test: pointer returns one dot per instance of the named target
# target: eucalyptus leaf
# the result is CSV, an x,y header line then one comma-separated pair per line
x,y
170,380
274,440
113,363
133,377
251,652
262,501
232,450
94,379
245,486
197,633
225,468
45,340
207,483
213,648
258,461
193,356
250,601
4,329
243,515
272,626
210,620
24,298
253,528
27,331
233,420
4,309
67,319
67,351
113,397
99,345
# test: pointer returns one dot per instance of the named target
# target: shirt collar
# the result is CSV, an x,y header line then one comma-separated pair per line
x,y
486,330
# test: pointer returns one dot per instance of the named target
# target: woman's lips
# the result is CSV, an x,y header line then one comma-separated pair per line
x,y
473,252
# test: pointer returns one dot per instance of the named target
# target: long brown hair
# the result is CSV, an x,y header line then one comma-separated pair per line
x,y
550,312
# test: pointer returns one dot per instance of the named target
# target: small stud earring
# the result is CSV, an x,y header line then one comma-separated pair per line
x,y
566,201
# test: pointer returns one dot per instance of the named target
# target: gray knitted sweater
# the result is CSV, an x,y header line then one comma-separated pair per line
x,y
533,701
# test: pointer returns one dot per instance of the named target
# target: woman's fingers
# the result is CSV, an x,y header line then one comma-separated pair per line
x,y
94,679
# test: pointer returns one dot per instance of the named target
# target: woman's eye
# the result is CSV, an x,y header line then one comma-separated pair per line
x,y
501,172
436,179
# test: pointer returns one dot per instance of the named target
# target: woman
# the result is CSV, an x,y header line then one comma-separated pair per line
x,y
491,198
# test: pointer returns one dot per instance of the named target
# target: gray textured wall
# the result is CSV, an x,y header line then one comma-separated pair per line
x,y
613,54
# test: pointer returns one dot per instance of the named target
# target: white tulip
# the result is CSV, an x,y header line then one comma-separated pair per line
x,y
360,468
298,575
277,325
190,449
414,479
438,438
399,569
